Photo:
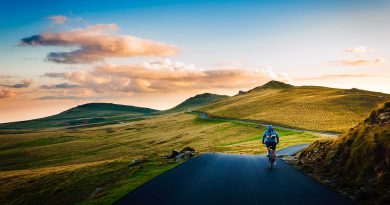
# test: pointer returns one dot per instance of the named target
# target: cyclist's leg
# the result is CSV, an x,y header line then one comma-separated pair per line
x,y
267,146
273,148
274,154
268,150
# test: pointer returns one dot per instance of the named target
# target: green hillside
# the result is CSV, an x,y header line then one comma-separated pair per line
x,y
66,166
196,102
87,114
358,161
305,107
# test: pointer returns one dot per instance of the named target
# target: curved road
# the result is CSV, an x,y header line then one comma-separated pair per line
x,y
226,179
291,150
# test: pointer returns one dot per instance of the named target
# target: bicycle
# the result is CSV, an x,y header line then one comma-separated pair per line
x,y
271,159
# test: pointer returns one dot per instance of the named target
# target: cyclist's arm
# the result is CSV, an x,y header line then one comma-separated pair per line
x,y
263,138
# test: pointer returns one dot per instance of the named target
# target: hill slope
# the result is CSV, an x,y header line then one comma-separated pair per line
x,y
67,166
83,114
305,107
196,102
358,161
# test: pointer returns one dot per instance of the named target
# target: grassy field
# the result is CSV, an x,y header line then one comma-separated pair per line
x,y
68,166
304,107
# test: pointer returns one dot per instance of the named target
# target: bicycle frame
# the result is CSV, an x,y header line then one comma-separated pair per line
x,y
271,158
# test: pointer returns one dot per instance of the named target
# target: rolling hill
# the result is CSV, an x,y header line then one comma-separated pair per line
x,y
94,165
91,113
358,161
107,113
196,102
305,107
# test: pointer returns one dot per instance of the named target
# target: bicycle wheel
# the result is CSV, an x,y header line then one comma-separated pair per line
x,y
271,160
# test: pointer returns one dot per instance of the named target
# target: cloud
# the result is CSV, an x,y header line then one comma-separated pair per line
x,y
279,76
168,64
97,43
7,76
60,86
357,49
60,97
54,75
6,93
24,84
336,76
58,19
161,77
359,62
359,57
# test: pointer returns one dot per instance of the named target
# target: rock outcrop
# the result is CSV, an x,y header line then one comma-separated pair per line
x,y
184,154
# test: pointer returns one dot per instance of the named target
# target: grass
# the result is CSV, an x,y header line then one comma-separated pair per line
x,y
143,174
304,107
195,102
90,164
357,161
67,165
77,184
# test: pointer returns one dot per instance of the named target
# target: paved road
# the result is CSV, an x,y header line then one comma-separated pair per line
x,y
292,150
226,179
204,115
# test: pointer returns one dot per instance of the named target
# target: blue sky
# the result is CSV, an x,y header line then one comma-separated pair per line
x,y
331,43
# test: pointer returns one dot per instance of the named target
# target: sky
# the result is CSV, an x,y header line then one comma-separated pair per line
x,y
55,55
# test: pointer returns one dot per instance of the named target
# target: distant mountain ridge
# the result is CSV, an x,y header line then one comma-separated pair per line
x,y
305,107
276,84
103,113
196,102
109,107
90,113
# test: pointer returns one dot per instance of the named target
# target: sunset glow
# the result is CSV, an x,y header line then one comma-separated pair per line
x,y
158,53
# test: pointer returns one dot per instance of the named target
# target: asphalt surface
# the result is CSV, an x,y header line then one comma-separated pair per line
x,y
225,179
292,150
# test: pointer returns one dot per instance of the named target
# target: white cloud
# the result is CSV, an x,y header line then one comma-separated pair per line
x,y
168,64
357,49
359,62
58,19
279,76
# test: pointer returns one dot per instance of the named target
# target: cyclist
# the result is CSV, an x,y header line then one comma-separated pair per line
x,y
270,139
